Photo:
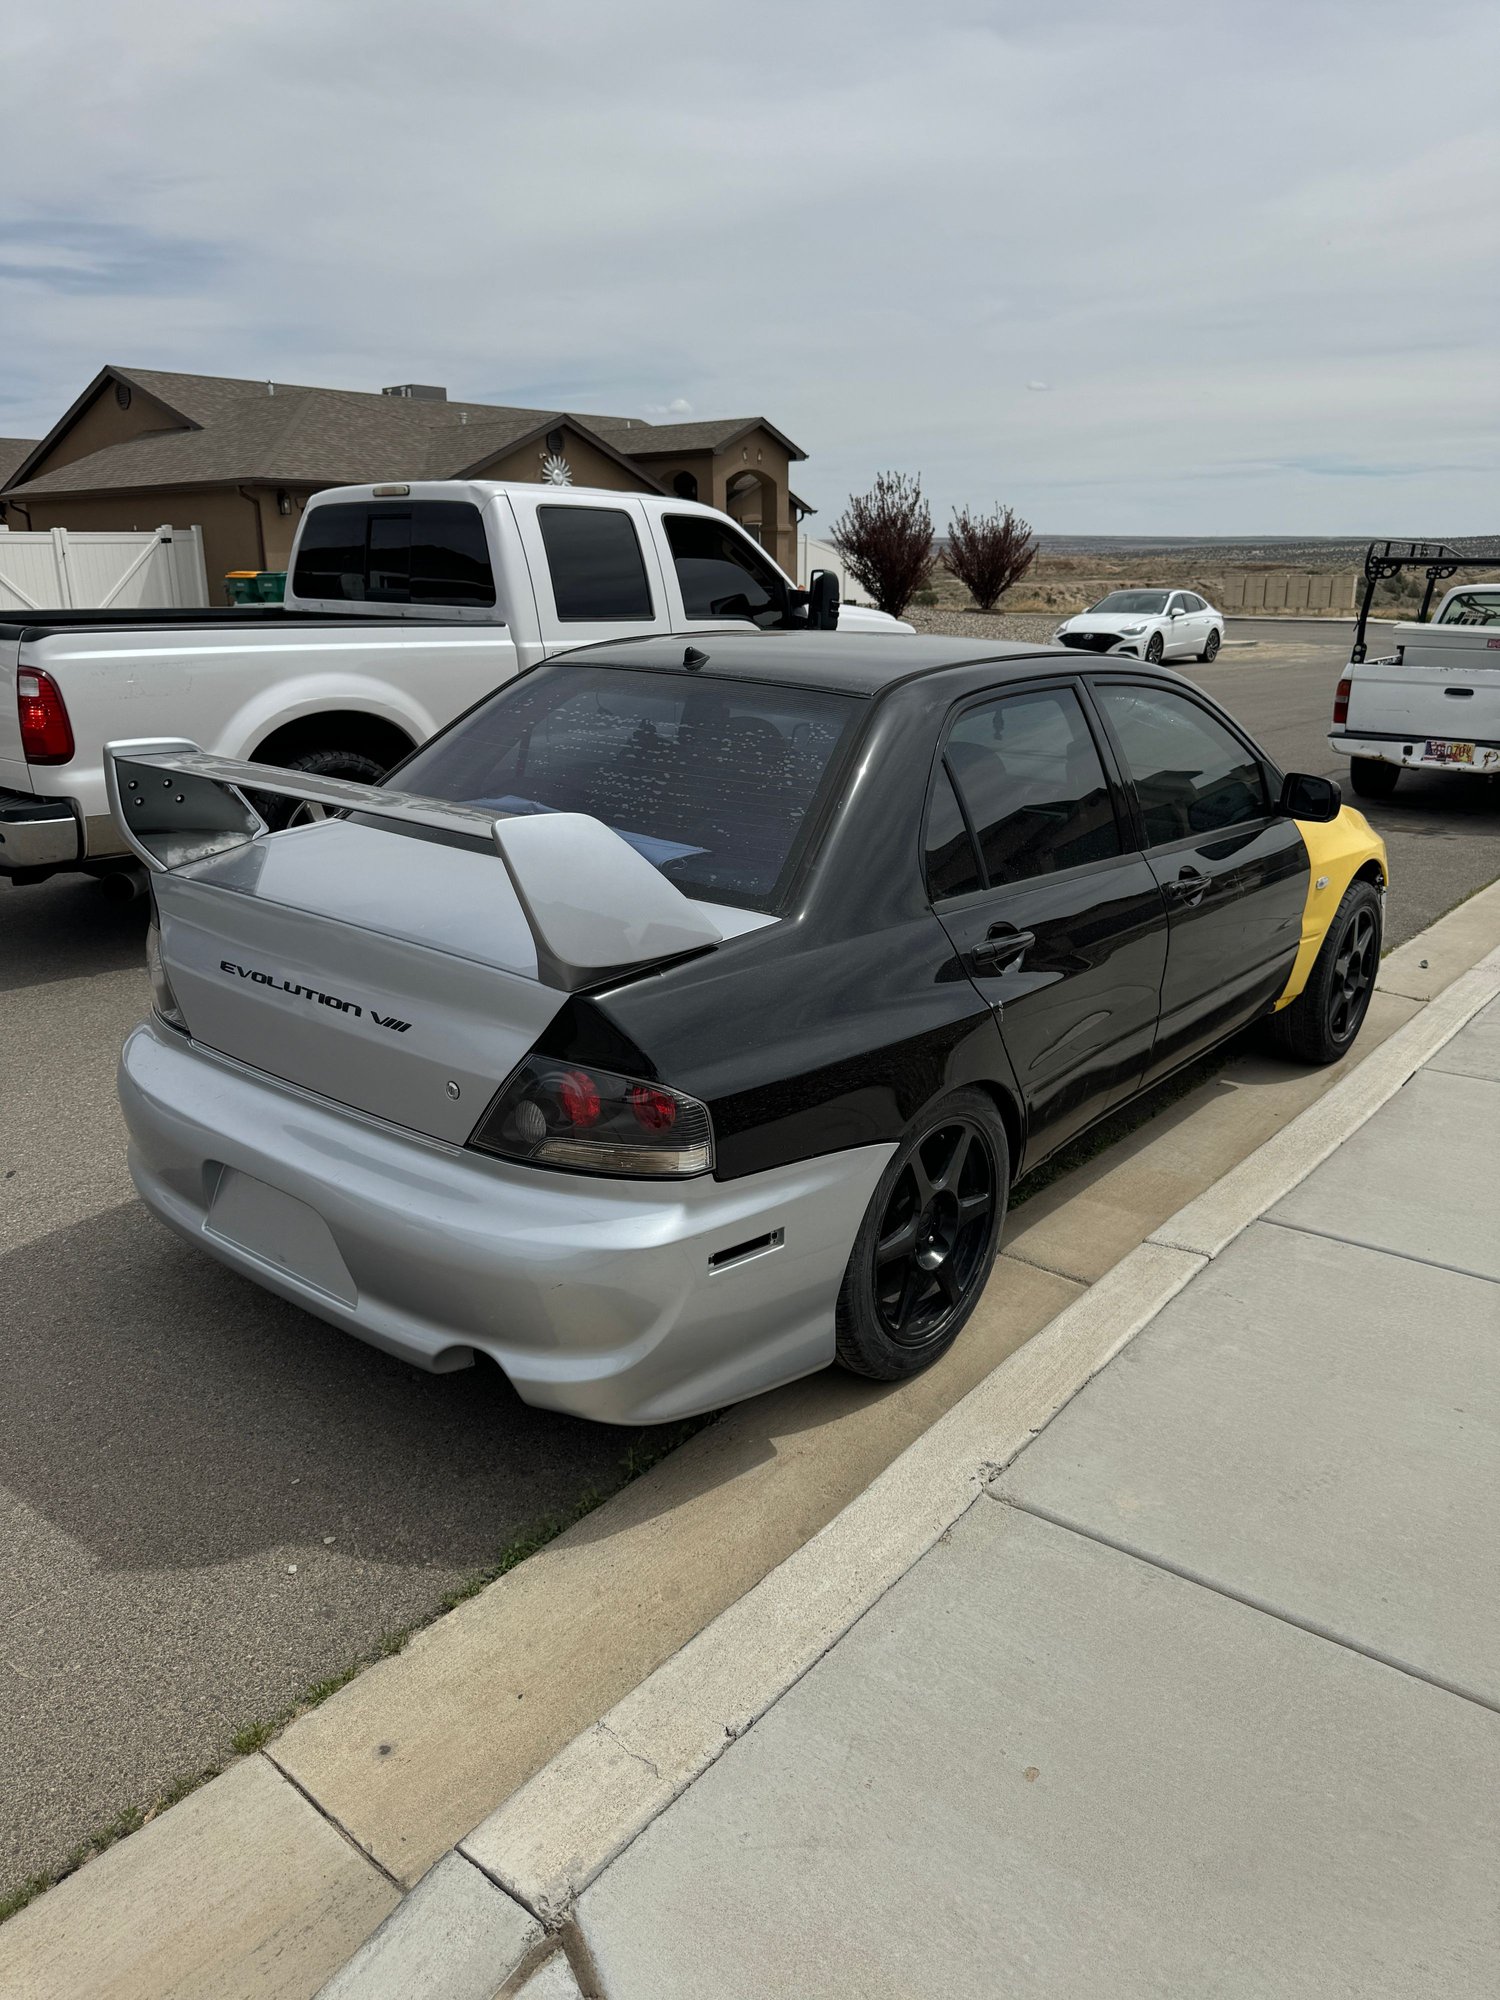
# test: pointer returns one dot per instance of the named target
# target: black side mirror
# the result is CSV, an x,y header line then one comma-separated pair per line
x,y
1303,797
823,601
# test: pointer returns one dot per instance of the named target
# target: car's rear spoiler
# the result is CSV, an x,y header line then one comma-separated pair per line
x,y
594,904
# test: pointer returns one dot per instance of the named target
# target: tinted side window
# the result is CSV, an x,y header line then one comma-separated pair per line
x,y
952,864
596,564
1033,785
720,574
1191,774
422,552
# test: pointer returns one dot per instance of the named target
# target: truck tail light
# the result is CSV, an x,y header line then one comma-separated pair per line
x,y
46,733
558,1114
1341,700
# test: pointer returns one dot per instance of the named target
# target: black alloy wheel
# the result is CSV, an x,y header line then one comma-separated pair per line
x,y
927,1242
1154,649
1356,960
278,811
1321,1023
1210,647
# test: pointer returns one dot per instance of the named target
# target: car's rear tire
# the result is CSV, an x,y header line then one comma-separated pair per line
x,y
1155,647
928,1241
1210,648
278,811
1372,777
1322,1022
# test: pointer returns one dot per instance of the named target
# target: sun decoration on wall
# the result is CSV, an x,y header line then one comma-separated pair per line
x,y
556,470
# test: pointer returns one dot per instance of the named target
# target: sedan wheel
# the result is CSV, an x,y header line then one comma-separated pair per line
x,y
927,1242
1322,1022
1210,647
1154,649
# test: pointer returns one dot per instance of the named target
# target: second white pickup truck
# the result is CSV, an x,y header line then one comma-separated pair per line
x,y
405,604
1432,704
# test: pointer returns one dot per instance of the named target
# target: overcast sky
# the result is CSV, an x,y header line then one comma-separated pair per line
x,y
1169,268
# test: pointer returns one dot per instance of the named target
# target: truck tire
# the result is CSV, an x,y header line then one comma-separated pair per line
x,y
1372,777
278,812
1324,1019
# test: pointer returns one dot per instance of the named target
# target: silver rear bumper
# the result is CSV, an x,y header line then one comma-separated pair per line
x,y
36,833
621,1301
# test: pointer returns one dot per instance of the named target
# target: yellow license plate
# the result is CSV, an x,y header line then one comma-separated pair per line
x,y
1441,751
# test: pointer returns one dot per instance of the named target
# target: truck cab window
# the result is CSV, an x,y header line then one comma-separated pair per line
x,y
722,575
595,560
414,552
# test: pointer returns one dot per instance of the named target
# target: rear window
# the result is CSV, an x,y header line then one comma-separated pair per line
x,y
714,781
408,552
596,565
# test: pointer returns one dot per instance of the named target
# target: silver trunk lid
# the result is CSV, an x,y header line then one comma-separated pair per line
x,y
394,974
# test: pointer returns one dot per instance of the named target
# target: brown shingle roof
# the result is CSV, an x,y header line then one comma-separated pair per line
x,y
234,431
710,434
12,452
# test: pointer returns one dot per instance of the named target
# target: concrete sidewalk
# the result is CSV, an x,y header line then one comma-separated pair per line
x,y
1201,1694
1197,1691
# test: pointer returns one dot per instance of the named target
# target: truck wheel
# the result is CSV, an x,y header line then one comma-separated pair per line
x,y
278,812
928,1240
1372,777
1323,1020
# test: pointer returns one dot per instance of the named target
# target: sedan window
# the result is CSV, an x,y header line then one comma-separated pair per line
x,y
1192,775
1033,785
714,781
1149,603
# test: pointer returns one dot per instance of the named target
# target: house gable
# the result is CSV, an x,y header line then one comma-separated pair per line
x,y
112,410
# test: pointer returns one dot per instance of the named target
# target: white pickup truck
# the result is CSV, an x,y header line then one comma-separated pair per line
x,y
1433,704
405,604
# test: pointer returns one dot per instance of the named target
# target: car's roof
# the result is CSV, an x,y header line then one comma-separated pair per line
x,y
843,662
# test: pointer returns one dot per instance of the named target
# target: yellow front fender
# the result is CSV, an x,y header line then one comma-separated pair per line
x,y
1337,851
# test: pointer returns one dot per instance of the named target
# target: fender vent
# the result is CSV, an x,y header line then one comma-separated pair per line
x,y
740,1253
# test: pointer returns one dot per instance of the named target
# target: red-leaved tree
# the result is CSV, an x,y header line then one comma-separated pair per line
x,y
885,538
989,552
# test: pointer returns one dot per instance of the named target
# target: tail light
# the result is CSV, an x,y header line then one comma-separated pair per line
x,y
163,999
555,1114
1341,700
46,733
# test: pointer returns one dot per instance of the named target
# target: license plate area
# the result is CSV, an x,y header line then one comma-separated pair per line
x,y
1442,750
277,1229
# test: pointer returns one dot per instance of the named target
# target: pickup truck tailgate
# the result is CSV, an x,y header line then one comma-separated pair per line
x,y
1444,682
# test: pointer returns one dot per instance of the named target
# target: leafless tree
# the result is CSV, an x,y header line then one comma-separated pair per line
x,y
989,552
885,538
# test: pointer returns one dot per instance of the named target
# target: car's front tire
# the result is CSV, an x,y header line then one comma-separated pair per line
x,y
1322,1022
1210,647
1155,647
1372,777
928,1241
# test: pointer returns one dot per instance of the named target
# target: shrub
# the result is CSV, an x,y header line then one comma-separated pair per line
x,y
989,552
885,538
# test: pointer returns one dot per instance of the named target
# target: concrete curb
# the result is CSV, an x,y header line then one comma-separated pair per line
x,y
551,1838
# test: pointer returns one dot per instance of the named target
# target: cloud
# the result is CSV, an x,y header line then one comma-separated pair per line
x,y
1261,275
1039,386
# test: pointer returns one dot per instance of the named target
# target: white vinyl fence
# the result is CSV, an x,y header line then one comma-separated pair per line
x,y
59,569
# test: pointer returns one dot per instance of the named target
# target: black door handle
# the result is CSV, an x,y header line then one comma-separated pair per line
x,y
1002,944
1190,887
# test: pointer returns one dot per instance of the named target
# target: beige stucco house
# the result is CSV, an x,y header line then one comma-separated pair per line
x,y
238,459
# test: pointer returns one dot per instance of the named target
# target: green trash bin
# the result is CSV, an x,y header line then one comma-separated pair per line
x,y
255,586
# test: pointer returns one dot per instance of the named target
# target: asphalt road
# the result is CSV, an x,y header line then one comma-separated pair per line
x,y
210,1501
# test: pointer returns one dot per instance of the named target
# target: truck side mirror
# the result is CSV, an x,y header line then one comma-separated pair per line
x,y
1316,799
822,601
